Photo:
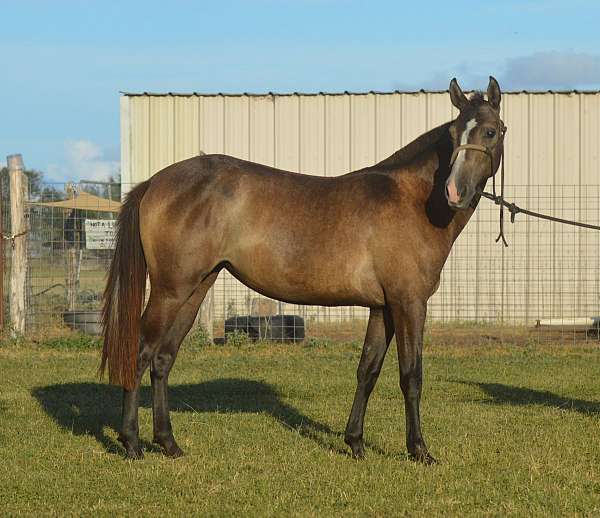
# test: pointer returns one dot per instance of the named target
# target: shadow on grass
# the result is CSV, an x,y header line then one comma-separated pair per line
x,y
509,395
89,408
3,410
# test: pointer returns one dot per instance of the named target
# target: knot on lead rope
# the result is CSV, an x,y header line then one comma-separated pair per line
x,y
514,210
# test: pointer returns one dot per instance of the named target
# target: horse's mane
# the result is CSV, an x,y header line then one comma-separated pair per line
x,y
408,153
477,98
424,142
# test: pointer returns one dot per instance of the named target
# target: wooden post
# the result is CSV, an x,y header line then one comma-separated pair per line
x,y
206,314
18,271
1,256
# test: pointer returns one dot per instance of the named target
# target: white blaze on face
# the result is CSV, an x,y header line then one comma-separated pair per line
x,y
453,195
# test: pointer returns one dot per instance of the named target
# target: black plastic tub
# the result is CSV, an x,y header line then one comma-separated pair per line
x,y
88,322
280,328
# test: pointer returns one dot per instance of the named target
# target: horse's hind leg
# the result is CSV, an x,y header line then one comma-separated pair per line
x,y
160,313
162,363
380,331
129,434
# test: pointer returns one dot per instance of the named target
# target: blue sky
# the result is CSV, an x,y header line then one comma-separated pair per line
x,y
63,63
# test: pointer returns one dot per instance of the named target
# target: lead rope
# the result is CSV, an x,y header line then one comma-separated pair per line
x,y
499,200
515,209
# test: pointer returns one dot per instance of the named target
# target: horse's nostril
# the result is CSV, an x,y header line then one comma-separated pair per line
x,y
452,193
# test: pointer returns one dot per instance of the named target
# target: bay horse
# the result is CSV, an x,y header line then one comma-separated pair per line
x,y
377,237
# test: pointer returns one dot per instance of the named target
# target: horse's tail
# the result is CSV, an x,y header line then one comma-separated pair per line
x,y
124,295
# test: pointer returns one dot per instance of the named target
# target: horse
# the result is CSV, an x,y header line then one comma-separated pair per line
x,y
376,237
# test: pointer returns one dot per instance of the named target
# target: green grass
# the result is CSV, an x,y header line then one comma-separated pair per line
x,y
517,431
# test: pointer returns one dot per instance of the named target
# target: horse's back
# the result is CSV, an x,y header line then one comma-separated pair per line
x,y
198,184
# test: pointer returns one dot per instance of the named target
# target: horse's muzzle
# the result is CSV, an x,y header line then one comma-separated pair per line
x,y
458,198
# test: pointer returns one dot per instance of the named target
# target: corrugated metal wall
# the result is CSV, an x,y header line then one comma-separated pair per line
x,y
552,165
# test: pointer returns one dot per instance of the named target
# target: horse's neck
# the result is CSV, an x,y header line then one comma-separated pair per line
x,y
434,167
428,158
460,222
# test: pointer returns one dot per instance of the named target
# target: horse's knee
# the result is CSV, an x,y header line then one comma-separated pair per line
x,y
367,377
411,382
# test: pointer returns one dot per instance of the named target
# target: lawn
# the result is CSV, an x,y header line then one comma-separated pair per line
x,y
516,429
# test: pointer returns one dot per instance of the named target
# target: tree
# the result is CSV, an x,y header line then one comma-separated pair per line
x,y
37,189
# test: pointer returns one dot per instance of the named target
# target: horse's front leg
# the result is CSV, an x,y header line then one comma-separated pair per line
x,y
379,334
409,321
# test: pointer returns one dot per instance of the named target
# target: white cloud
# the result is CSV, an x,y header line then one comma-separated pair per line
x,y
536,71
552,70
84,160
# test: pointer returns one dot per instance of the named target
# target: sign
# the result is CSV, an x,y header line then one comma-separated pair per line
x,y
100,234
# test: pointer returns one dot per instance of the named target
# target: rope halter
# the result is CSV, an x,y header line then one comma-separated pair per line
x,y
498,199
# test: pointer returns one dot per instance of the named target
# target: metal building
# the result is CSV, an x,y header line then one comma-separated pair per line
x,y
552,163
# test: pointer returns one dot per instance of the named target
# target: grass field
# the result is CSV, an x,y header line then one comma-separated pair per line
x,y
516,429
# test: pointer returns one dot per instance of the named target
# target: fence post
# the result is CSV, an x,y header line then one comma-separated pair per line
x,y
73,255
2,263
207,314
18,271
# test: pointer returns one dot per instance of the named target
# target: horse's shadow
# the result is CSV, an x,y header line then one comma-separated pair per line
x,y
91,408
500,394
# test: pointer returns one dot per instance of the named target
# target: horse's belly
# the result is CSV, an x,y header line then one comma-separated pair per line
x,y
324,286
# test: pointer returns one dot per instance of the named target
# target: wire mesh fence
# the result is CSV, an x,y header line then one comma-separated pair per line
x,y
548,279
69,248
545,285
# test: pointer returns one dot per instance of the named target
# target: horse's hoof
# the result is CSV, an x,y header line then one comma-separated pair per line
x,y
424,458
357,447
169,448
358,454
173,452
134,453
132,448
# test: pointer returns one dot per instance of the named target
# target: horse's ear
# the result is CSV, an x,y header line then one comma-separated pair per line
x,y
493,93
458,98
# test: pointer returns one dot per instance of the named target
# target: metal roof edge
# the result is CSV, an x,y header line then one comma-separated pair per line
x,y
313,94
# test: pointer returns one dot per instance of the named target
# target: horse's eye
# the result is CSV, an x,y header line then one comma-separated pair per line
x,y
490,133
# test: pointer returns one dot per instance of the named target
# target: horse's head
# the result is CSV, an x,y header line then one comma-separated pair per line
x,y
477,136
